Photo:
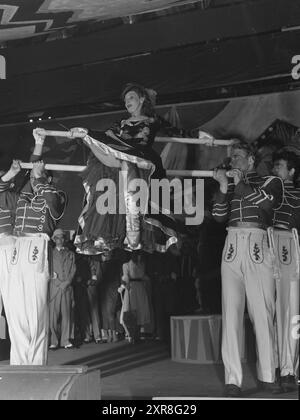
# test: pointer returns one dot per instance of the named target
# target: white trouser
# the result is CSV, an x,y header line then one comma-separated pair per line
x,y
6,248
2,320
247,273
28,301
287,300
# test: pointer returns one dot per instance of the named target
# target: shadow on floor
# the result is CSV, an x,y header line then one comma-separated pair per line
x,y
4,349
124,358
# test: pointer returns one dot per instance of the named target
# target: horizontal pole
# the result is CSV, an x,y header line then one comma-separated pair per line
x,y
54,133
55,167
77,168
190,173
208,141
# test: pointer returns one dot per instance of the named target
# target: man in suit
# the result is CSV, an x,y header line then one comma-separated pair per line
x,y
61,293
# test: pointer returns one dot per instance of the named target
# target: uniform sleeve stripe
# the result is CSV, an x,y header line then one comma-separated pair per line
x,y
219,214
250,195
221,205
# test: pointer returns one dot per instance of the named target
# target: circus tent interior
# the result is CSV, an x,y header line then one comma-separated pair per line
x,y
225,68
73,57
66,63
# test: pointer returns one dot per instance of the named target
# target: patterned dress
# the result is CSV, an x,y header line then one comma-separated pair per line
x,y
117,181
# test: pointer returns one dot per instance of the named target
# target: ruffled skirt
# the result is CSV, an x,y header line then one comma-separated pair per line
x,y
116,209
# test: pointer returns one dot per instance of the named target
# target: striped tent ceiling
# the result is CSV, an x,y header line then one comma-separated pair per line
x,y
21,19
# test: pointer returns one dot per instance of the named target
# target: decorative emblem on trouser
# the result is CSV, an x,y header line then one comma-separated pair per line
x,y
14,256
34,253
285,251
230,250
256,252
285,254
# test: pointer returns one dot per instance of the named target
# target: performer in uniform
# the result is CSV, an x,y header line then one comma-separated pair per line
x,y
122,155
40,205
249,204
287,254
8,200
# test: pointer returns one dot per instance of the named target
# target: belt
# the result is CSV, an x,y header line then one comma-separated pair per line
x,y
136,279
20,234
5,235
248,225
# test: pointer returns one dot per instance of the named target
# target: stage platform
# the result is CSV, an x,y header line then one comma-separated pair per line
x,y
146,370
198,338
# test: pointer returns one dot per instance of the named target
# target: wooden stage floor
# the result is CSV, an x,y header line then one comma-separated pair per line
x,y
146,371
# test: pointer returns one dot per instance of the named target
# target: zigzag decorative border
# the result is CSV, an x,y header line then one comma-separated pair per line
x,y
29,18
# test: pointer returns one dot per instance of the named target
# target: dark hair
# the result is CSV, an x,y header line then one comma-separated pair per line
x,y
148,107
243,145
292,160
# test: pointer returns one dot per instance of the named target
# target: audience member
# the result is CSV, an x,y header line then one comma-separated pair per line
x,y
61,293
135,296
